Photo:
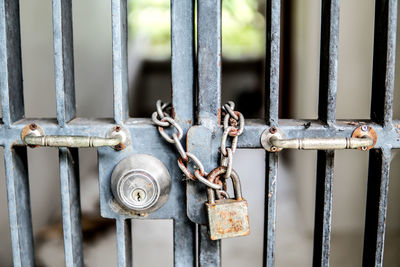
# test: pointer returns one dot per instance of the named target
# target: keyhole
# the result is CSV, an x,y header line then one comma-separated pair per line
x,y
139,195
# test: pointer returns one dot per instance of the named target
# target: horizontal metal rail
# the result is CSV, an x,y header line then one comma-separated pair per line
x,y
388,136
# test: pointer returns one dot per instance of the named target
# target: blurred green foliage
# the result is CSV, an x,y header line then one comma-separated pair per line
x,y
242,27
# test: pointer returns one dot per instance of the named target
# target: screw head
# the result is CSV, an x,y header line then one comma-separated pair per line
x,y
119,147
33,126
274,148
117,128
364,128
273,130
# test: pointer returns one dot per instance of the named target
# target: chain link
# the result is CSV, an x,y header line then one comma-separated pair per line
x,y
233,127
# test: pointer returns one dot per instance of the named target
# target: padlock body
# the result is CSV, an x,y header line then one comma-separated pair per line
x,y
228,218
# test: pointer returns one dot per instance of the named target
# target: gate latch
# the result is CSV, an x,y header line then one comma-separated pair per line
x,y
363,138
33,136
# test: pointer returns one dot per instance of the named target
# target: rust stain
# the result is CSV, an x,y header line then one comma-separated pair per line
x,y
228,219
173,114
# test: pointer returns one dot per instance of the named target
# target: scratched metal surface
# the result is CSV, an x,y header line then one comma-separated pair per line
x,y
185,205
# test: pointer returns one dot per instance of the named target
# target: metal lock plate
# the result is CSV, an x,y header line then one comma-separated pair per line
x,y
228,218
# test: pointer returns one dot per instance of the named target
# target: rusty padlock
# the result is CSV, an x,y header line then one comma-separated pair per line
x,y
227,217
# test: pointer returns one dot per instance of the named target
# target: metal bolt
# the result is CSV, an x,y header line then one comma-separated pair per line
x,y
364,148
364,128
273,130
33,126
274,148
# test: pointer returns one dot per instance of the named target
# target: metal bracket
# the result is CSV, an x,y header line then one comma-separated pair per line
x,y
363,138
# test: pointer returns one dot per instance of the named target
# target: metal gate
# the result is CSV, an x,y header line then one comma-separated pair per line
x,y
197,108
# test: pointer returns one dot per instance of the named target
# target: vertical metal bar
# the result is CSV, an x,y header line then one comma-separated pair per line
x,y
384,61
328,60
16,163
273,31
19,209
375,217
381,112
209,99
124,242
11,86
120,59
182,59
66,110
183,86
327,113
71,206
184,243
209,61
270,209
323,208
64,60
273,28
208,249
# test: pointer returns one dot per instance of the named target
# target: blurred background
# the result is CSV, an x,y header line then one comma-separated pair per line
x,y
243,39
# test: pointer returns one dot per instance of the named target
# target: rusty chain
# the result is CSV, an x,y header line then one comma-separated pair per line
x,y
233,126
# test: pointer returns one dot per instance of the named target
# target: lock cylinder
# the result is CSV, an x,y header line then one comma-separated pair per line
x,y
141,183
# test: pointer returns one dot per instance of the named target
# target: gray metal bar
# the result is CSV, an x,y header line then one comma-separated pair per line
x,y
271,170
328,60
184,242
330,12
16,165
273,31
208,249
183,86
124,242
71,206
273,21
384,61
64,60
12,100
182,60
323,208
209,61
120,60
381,112
375,217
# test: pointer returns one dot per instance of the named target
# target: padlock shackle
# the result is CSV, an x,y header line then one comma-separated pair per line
x,y
217,172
